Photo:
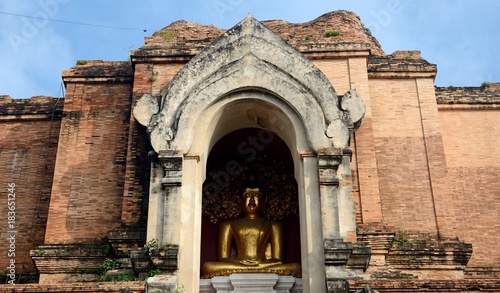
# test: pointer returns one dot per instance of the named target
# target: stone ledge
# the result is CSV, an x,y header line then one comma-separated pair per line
x,y
447,254
415,254
345,254
122,287
394,66
252,282
37,106
482,273
312,50
379,242
141,262
484,285
69,261
166,259
468,107
484,95
97,71
161,284
124,240
337,285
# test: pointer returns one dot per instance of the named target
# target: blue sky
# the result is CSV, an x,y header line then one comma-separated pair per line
x,y
461,37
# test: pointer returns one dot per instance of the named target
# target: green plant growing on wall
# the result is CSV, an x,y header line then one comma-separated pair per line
x,y
108,251
152,271
81,62
89,246
401,238
330,34
110,264
40,252
485,85
152,78
114,264
167,35
367,30
409,55
123,277
151,246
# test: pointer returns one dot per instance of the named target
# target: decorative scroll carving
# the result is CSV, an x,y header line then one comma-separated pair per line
x,y
267,63
353,108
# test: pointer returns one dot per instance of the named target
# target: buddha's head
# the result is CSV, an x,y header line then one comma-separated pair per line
x,y
252,201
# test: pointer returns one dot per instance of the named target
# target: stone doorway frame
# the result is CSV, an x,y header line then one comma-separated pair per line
x,y
326,212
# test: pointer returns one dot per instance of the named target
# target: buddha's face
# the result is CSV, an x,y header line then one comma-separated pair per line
x,y
252,201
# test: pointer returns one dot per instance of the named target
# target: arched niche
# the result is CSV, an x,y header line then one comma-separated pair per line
x,y
175,206
261,156
248,108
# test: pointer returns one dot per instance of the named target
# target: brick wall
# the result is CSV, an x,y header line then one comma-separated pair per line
x,y
84,287
88,183
411,285
472,144
29,130
148,78
415,168
484,95
402,165
346,74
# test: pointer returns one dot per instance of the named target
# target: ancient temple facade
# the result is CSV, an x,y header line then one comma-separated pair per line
x,y
381,181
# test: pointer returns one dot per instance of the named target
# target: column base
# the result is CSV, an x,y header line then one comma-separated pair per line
x,y
161,284
240,283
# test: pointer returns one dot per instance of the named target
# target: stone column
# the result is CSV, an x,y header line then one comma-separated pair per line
x,y
171,162
329,160
313,258
337,208
189,219
347,219
164,193
156,202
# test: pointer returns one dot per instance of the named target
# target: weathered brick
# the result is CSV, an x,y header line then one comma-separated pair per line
x,y
425,159
29,130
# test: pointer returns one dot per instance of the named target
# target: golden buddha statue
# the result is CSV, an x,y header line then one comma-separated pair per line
x,y
259,243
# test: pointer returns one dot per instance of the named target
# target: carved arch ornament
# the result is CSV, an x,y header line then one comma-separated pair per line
x,y
249,56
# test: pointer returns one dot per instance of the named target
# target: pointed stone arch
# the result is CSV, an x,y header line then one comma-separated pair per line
x,y
248,56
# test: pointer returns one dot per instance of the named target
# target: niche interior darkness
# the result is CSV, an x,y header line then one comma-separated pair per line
x,y
249,156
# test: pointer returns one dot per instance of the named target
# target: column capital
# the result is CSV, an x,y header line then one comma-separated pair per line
x,y
329,160
171,163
